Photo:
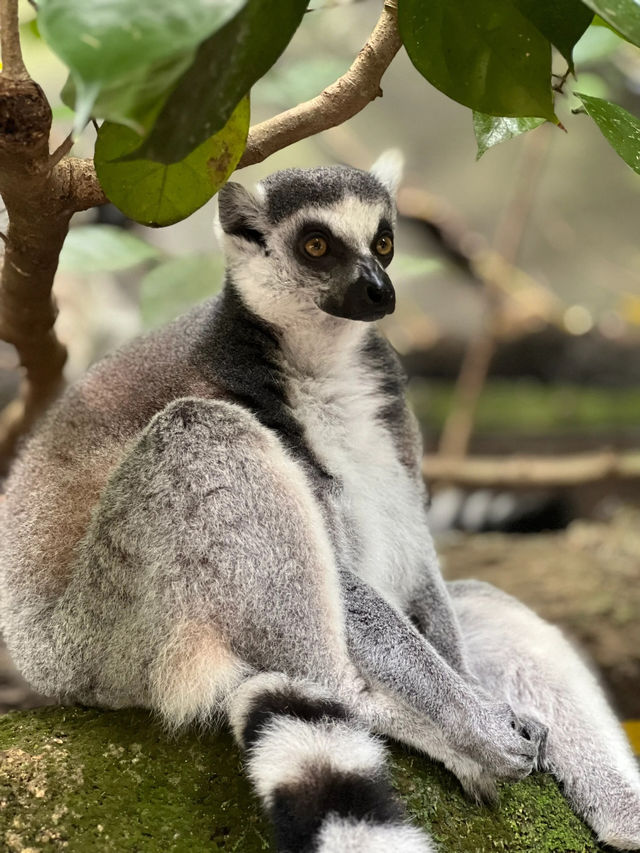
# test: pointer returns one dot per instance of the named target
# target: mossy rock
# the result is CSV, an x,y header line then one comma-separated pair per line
x,y
85,780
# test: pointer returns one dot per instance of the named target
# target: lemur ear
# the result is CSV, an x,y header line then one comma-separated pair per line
x,y
240,213
388,170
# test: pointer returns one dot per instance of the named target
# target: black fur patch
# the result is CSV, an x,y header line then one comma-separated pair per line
x,y
237,353
298,811
288,704
252,235
382,362
292,189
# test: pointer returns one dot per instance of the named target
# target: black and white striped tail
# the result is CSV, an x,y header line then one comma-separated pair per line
x,y
322,779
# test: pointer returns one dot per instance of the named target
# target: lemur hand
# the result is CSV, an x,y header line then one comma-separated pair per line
x,y
504,744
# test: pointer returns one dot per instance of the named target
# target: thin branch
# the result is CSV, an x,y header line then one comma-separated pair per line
x,y
524,472
458,427
337,103
61,151
13,67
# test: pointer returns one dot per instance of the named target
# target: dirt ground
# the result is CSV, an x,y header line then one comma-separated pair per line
x,y
585,579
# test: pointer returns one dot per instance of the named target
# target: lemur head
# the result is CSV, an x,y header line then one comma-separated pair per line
x,y
313,242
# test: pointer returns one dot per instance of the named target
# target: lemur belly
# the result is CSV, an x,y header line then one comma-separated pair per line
x,y
376,503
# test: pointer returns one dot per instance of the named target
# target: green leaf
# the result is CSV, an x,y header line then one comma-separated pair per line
x,y
156,194
123,55
103,248
491,130
173,287
622,15
562,23
225,68
619,128
484,54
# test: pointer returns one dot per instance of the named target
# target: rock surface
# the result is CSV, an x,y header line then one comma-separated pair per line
x,y
85,780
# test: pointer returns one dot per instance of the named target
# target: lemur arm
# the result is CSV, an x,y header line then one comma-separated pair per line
x,y
431,611
387,649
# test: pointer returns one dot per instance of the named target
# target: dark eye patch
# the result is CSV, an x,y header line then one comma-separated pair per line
x,y
338,252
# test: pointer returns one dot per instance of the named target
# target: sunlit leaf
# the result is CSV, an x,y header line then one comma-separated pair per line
x,y
103,248
491,130
562,23
174,286
224,69
122,54
619,127
622,15
156,194
482,53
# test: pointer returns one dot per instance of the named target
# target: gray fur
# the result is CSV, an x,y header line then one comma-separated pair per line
x,y
239,494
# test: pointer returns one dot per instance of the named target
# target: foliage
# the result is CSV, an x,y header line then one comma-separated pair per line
x,y
169,79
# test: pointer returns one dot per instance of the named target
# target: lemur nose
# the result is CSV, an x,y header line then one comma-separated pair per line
x,y
380,293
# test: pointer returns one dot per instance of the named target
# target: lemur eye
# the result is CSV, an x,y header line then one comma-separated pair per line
x,y
316,246
384,245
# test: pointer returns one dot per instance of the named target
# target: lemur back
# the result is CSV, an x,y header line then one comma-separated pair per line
x,y
226,519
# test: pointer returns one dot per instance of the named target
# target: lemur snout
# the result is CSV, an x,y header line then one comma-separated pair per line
x,y
370,297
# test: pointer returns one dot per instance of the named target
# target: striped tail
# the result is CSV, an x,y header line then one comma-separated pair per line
x,y
321,778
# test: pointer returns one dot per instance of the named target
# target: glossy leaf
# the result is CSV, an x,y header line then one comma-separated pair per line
x,y
123,55
173,287
619,128
622,15
562,23
491,130
484,54
224,69
103,248
157,194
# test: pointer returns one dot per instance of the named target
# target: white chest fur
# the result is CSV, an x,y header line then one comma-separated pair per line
x,y
379,504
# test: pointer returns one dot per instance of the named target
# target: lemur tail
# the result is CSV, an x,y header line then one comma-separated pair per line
x,y
321,777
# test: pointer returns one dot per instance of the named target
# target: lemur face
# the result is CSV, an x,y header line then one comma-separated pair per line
x,y
313,242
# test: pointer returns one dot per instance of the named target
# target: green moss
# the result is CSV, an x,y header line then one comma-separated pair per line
x,y
86,780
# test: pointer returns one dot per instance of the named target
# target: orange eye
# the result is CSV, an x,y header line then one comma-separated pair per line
x,y
316,247
384,245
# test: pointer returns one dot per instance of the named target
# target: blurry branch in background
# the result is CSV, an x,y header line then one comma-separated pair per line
x,y
525,472
458,428
42,191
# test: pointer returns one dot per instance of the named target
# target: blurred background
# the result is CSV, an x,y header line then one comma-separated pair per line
x,y
518,319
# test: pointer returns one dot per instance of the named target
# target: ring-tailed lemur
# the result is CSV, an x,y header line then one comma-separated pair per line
x,y
226,517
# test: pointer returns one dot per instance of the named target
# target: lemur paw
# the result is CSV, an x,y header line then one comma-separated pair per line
x,y
507,746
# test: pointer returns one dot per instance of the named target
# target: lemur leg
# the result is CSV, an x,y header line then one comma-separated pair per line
x,y
533,667
206,562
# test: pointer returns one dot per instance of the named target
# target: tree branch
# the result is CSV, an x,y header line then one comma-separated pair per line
x,y
39,214
13,67
522,472
337,103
